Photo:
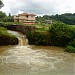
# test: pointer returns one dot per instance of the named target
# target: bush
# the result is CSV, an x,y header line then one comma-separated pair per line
x,y
6,38
72,43
70,49
38,38
61,34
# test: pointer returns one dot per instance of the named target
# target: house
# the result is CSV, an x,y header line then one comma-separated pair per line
x,y
25,18
48,21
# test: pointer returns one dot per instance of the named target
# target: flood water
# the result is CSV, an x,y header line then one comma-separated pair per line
x,y
24,59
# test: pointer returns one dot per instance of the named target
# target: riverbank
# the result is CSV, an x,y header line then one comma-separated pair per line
x,y
6,38
34,60
59,34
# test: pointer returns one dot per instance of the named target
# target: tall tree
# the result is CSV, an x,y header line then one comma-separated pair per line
x,y
1,4
2,15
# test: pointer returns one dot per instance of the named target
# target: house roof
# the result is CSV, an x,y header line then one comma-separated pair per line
x,y
32,14
26,14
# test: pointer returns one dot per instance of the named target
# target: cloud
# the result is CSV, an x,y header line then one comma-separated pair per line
x,y
39,6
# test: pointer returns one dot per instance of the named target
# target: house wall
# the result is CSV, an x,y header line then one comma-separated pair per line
x,y
15,20
29,22
15,17
23,17
30,19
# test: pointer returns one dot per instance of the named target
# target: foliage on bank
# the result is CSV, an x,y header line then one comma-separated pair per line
x,y
60,34
6,38
38,38
71,47
63,35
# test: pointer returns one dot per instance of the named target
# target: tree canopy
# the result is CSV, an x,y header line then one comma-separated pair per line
x,y
67,18
61,34
1,4
5,18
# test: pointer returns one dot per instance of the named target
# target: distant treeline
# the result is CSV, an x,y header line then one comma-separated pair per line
x,y
5,18
67,18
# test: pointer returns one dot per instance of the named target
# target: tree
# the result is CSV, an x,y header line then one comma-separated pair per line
x,y
5,18
1,4
2,16
43,19
67,18
61,34
10,18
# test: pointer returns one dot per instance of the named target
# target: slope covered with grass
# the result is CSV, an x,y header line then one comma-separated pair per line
x,y
6,38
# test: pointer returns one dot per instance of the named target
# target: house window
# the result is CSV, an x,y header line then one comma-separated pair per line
x,y
26,15
32,16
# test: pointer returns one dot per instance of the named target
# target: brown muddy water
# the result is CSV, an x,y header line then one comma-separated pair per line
x,y
24,59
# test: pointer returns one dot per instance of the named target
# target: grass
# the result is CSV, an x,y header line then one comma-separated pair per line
x,y
72,26
39,27
42,28
3,31
6,38
10,23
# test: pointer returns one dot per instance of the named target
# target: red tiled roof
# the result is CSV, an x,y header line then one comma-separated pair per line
x,y
32,14
24,14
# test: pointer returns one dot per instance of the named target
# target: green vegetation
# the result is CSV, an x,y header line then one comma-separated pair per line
x,y
70,49
41,28
67,18
46,19
59,34
72,43
1,4
9,23
5,18
56,30
38,38
63,35
6,38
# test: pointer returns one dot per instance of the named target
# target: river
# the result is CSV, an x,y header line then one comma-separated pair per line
x,y
24,59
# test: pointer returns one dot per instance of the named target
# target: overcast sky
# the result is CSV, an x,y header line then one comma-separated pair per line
x,y
39,7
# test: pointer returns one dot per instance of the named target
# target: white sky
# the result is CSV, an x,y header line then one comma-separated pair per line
x,y
39,7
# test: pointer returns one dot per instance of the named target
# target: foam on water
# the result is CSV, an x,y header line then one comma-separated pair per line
x,y
23,59
36,59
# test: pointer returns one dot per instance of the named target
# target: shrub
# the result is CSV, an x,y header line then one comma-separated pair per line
x,y
61,34
6,38
72,43
38,38
70,49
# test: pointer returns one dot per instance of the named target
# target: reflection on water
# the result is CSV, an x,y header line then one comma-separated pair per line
x,y
24,59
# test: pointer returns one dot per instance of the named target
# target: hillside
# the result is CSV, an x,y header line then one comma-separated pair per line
x,y
67,18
